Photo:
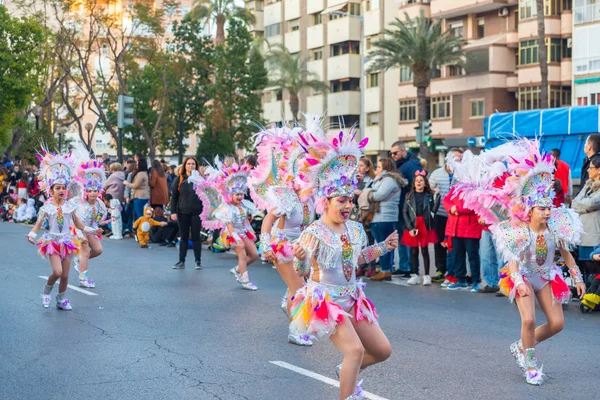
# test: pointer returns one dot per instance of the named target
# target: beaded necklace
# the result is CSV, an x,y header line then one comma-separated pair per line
x,y
347,252
541,249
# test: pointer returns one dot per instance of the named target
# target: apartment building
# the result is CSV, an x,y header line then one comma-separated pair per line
x,y
586,52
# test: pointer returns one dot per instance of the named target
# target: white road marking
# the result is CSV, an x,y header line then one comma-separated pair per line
x,y
321,378
398,281
74,288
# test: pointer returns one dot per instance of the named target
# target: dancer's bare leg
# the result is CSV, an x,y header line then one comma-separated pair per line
x,y
376,344
346,339
554,315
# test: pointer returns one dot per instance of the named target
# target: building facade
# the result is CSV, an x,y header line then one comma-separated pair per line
x,y
586,52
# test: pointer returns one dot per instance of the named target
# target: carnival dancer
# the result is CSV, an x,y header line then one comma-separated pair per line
x,y
274,187
527,230
333,302
59,244
222,194
92,212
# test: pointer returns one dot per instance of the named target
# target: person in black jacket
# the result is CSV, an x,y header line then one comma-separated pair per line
x,y
418,213
186,208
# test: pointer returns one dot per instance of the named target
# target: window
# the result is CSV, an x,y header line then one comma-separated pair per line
x,y
317,54
408,110
371,5
352,84
316,18
529,98
457,29
406,74
373,80
559,96
273,30
354,9
594,99
554,49
368,43
436,73
440,107
582,101
293,25
258,5
476,108
373,119
454,70
566,48
104,49
349,120
527,9
338,49
480,28
567,5
528,52
566,97
279,95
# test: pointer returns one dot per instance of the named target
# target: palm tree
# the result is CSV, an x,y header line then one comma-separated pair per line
x,y
290,72
542,53
419,45
219,12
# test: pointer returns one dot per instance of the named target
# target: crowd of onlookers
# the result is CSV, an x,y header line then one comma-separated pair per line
x,y
395,193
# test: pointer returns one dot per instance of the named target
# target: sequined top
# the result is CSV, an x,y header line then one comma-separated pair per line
x,y
91,215
333,257
301,216
236,216
60,219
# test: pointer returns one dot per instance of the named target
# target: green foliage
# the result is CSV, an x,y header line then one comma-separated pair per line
x,y
212,144
31,139
21,43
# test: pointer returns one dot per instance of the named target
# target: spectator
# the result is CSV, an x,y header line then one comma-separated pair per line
x,y
228,160
366,175
6,160
464,229
127,215
140,191
165,235
170,176
114,183
385,192
420,207
251,161
563,174
591,148
159,192
3,177
587,205
186,208
15,176
441,180
22,186
407,164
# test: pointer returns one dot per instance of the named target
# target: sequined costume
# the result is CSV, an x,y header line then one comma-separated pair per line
x,y
238,218
332,290
91,215
59,239
535,253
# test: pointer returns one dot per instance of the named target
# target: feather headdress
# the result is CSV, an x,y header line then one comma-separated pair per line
x,y
55,168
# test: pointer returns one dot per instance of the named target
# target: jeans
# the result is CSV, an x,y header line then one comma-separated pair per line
x,y
404,264
138,208
441,254
450,263
380,231
490,261
187,221
461,247
127,216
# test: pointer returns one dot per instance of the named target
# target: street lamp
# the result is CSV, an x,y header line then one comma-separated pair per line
x,y
362,122
88,128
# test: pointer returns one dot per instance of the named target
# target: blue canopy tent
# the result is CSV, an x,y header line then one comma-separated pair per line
x,y
560,128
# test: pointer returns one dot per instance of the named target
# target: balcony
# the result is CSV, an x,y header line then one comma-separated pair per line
x,y
372,25
586,65
315,104
314,36
372,103
413,8
273,13
273,111
566,72
271,40
316,67
373,132
465,83
344,66
292,9
313,6
342,30
532,76
566,24
343,103
259,21
586,14
292,41
512,83
457,8
528,29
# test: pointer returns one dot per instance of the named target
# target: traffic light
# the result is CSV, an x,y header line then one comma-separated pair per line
x,y
426,132
124,111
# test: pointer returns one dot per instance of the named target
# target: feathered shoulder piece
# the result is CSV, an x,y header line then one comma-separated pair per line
x,y
208,191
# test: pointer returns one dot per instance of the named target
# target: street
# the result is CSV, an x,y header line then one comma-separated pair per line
x,y
151,332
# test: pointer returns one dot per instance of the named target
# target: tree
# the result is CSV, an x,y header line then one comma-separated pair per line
x,y
543,53
21,43
290,72
419,45
219,12
31,138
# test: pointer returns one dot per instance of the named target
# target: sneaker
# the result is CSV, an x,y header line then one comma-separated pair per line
x,y
406,275
64,304
426,280
45,300
446,283
179,265
533,376
476,287
87,283
439,277
382,276
488,289
299,339
414,280
371,272
198,265
397,272
249,285
500,294
459,286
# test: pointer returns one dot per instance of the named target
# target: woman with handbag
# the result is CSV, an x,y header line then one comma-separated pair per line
x,y
384,197
365,175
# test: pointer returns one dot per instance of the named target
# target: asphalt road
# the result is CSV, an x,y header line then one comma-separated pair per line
x,y
156,333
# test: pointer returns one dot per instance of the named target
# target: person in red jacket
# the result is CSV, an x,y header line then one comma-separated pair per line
x,y
465,230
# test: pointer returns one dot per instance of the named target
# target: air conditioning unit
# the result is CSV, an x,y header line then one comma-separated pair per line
x,y
569,42
503,12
